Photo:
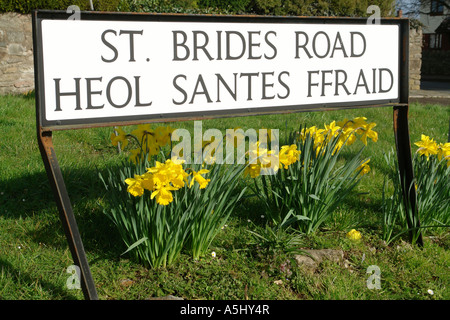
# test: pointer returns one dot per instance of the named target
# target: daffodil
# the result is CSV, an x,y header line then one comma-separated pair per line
x,y
163,195
135,155
426,146
150,145
270,161
359,122
332,130
161,180
197,176
252,170
364,167
147,139
169,173
135,186
163,134
348,136
259,154
175,170
142,131
209,159
345,123
289,155
444,151
367,132
354,235
121,137
147,181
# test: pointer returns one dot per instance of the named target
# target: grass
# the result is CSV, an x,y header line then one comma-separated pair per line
x,y
34,255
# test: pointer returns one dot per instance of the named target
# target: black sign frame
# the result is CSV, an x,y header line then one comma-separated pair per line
x,y
170,117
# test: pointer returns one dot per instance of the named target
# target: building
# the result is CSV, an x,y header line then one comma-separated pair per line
x,y
435,17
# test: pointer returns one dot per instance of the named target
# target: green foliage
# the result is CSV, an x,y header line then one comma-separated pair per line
x,y
27,6
275,240
161,5
156,234
432,183
231,5
349,8
433,190
307,192
173,6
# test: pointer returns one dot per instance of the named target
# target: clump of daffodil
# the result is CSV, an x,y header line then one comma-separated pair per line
x,y
429,148
347,131
164,178
149,140
354,235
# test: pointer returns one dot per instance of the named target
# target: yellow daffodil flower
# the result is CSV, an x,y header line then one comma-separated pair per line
x,y
162,135
332,130
444,151
289,155
120,137
252,170
142,131
354,235
163,195
426,146
135,186
364,167
197,176
135,155
367,132
147,181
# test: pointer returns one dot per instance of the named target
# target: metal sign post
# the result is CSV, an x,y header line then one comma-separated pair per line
x,y
109,69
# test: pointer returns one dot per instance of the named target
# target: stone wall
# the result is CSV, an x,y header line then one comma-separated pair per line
x,y
415,58
16,53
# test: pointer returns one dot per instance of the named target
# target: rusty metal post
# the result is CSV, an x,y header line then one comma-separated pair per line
x,y
65,213
402,139
404,157
45,142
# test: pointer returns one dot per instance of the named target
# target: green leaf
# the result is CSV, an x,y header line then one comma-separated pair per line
x,y
314,197
134,245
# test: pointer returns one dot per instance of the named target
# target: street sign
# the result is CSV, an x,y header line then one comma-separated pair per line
x,y
110,68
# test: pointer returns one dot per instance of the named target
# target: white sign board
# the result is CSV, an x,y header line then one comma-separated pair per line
x,y
100,69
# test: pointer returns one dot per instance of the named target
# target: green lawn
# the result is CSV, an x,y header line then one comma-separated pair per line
x,y
34,254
